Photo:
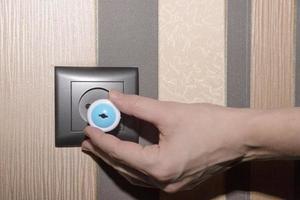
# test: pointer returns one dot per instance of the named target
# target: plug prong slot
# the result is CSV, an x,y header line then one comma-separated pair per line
x,y
103,116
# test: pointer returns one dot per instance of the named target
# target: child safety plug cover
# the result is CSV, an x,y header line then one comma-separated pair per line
x,y
104,115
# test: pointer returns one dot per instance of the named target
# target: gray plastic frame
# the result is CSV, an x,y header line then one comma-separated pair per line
x,y
64,76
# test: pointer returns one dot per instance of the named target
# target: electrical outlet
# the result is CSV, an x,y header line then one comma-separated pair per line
x,y
76,88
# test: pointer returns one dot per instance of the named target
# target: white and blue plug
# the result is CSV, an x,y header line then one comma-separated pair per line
x,y
104,115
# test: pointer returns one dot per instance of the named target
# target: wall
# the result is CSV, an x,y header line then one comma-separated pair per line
x,y
40,34
272,86
192,51
35,36
192,63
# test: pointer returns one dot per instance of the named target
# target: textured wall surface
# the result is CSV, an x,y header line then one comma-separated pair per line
x,y
272,59
34,36
192,63
192,58
272,86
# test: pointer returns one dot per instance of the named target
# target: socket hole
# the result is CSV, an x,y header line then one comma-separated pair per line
x,y
87,105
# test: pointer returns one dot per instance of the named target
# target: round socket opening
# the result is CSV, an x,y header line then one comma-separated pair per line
x,y
90,97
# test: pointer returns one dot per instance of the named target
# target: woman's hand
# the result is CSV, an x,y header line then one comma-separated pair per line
x,y
196,141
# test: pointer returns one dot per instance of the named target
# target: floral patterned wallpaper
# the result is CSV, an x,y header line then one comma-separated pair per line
x,y
192,50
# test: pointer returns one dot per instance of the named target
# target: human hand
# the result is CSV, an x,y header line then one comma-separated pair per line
x,y
196,141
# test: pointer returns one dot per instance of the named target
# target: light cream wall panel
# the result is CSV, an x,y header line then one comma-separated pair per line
x,y
34,36
192,63
192,50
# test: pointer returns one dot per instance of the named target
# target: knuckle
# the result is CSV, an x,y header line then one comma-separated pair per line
x,y
150,152
114,153
164,171
171,188
135,103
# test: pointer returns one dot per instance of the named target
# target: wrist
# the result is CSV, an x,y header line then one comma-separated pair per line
x,y
254,129
271,134
248,123
244,130
255,135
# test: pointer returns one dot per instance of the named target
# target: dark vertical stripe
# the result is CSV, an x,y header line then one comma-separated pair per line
x,y
128,36
238,52
238,83
297,91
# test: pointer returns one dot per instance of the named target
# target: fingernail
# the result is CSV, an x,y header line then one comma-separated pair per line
x,y
85,149
84,146
85,130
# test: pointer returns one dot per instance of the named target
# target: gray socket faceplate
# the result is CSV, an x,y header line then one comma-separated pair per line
x,y
75,87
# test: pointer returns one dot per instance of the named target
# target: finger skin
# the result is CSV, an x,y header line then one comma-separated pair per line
x,y
135,180
128,153
148,109
88,146
130,174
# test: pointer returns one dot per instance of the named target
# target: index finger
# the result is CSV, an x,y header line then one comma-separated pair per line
x,y
148,109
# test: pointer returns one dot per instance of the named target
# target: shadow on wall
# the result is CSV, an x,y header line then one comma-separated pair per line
x,y
210,189
123,184
232,183
237,188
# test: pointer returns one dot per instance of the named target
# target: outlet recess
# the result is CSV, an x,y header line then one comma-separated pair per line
x,y
77,87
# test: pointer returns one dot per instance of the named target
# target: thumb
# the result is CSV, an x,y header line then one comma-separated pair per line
x,y
147,109
129,153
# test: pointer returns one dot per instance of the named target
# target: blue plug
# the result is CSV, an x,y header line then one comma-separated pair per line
x,y
104,115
